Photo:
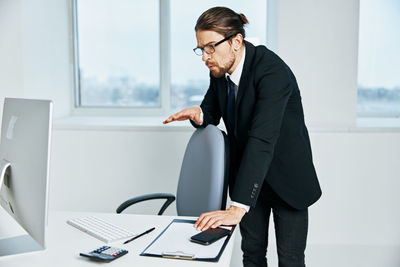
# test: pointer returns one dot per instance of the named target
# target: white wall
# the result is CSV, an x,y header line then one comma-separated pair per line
x,y
11,68
95,168
35,58
99,169
47,61
319,40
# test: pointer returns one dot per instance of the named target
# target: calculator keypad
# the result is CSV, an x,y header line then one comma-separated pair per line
x,y
105,253
112,251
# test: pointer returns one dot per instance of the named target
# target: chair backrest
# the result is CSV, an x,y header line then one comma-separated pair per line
x,y
202,185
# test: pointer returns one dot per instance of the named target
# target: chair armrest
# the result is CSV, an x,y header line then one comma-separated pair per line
x,y
169,197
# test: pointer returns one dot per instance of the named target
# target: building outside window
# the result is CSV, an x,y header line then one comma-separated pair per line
x,y
118,53
379,59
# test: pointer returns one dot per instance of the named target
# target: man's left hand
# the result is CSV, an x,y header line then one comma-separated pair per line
x,y
213,219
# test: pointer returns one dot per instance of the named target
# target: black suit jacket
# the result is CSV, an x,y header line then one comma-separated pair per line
x,y
271,139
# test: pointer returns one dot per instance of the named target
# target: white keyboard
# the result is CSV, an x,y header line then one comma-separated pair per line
x,y
100,229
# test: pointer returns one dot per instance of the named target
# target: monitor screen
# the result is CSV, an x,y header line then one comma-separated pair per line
x,y
24,167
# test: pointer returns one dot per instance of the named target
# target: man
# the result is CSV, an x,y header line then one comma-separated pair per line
x,y
271,166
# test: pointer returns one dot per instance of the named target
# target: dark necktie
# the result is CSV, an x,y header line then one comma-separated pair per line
x,y
230,108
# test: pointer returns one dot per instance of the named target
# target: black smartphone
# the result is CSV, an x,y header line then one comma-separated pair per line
x,y
210,236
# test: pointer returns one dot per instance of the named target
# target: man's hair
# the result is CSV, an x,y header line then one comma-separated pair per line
x,y
222,20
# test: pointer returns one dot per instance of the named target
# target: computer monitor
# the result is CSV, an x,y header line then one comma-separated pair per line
x,y
24,168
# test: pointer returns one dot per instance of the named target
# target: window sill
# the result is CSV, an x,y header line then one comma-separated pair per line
x,y
379,124
363,125
154,123
119,123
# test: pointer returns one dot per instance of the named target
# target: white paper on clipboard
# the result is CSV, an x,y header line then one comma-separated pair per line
x,y
176,241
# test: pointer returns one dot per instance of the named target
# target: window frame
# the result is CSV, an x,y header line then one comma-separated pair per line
x,y
165,62
165,71
165,36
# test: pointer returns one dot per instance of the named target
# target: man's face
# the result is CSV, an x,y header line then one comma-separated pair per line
x,y
221,61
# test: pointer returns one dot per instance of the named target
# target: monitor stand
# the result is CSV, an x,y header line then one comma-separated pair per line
x,y
17,245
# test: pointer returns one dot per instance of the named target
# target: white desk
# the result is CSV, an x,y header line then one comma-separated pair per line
x,y
64,243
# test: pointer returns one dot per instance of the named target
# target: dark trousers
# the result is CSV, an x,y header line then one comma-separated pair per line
x,y
291,227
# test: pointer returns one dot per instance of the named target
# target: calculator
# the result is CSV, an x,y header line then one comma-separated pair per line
x,y
105,253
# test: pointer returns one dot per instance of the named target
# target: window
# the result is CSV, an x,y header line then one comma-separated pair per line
x,y
118,53
126,58
379,58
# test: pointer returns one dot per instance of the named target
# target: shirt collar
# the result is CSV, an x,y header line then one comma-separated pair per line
x,y
237,73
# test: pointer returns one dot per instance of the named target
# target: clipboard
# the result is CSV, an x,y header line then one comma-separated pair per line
x,y
174,243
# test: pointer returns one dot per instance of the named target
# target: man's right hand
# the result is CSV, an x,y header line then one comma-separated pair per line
x,y
192,113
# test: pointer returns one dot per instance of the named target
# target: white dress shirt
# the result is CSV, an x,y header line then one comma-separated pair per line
x,y
236,74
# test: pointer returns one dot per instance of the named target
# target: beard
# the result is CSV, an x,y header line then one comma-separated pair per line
x,y
219,71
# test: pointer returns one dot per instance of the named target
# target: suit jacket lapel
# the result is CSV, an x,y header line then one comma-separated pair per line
x,y
244,79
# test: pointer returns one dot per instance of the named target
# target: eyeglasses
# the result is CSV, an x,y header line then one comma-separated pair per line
x,y
210,48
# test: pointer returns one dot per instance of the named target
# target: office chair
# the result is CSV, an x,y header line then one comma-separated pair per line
x,y
202,185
